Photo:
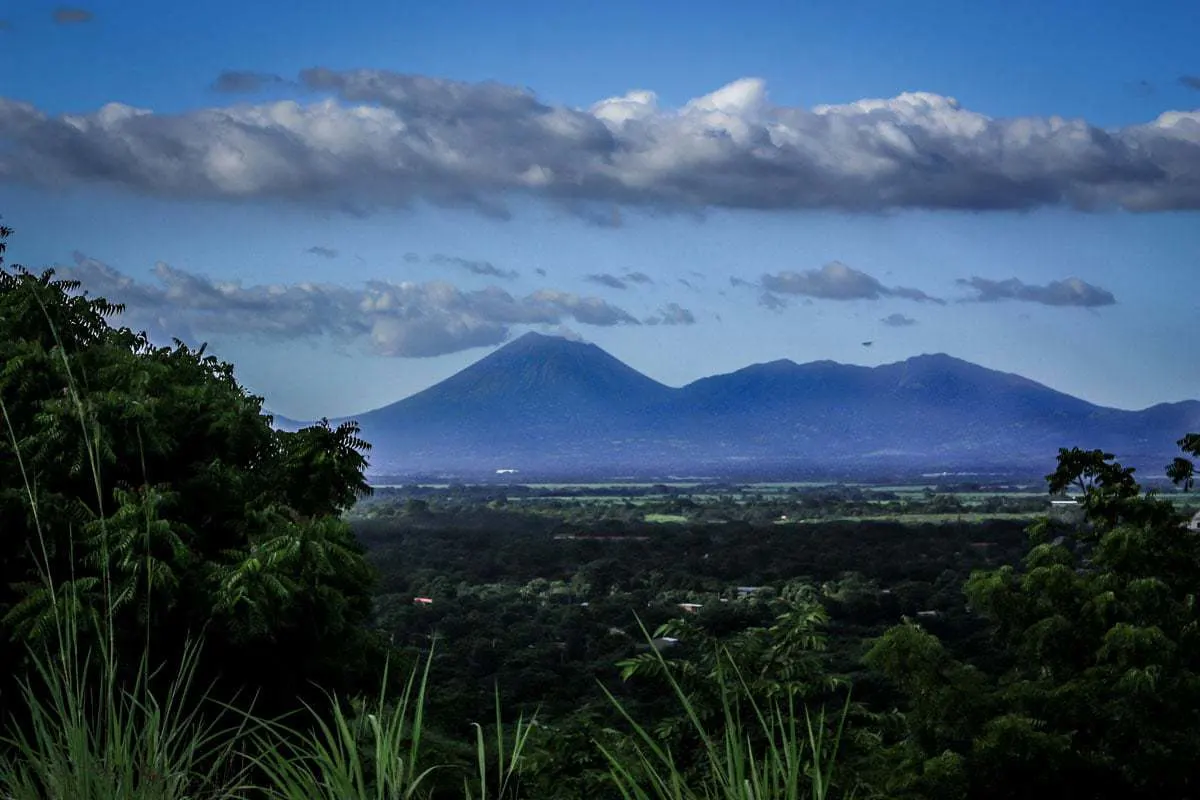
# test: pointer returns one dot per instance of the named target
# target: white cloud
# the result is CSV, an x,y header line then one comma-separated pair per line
x,y
382,138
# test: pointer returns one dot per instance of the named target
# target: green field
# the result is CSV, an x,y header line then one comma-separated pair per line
x,y
666,518
914,518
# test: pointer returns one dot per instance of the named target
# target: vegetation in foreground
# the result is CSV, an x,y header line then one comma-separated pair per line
x,y
190,615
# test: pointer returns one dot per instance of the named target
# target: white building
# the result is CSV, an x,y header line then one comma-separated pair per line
x,y
1066,509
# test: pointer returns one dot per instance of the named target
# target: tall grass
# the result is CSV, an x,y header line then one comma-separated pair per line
x,y
86,745
771,759
89,736
86,736
374,756
505,781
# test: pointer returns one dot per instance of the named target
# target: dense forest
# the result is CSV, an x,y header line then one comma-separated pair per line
x,y
195,604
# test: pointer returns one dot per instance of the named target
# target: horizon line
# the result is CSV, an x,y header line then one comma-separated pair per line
x,y
584,342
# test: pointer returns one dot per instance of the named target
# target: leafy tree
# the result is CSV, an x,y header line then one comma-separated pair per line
x,y
781,658
1098,642
784,659
1182,471
145,485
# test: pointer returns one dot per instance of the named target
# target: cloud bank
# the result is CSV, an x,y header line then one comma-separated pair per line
x,y
392,319
1069,292
365,139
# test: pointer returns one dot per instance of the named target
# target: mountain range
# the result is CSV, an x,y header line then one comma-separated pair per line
x,y
555,408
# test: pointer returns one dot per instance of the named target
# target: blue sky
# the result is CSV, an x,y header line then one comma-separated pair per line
x,y
446,181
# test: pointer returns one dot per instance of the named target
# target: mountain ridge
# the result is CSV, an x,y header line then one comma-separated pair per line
x,y
545,403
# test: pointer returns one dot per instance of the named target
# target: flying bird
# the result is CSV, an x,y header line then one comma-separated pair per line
x,y
867,344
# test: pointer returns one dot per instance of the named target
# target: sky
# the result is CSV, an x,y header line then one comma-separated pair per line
x,y
351,201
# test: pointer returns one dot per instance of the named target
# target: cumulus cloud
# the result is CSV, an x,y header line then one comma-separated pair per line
x,y
373,138
606,279
672,314
323,252
836,281
568,333
1190,81
67,15
1069,292
898,321
393,319
241,81
588,310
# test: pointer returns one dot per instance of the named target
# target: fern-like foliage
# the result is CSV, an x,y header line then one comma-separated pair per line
x,y
143,485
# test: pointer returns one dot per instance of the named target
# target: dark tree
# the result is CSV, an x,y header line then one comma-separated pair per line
x,y
146,486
